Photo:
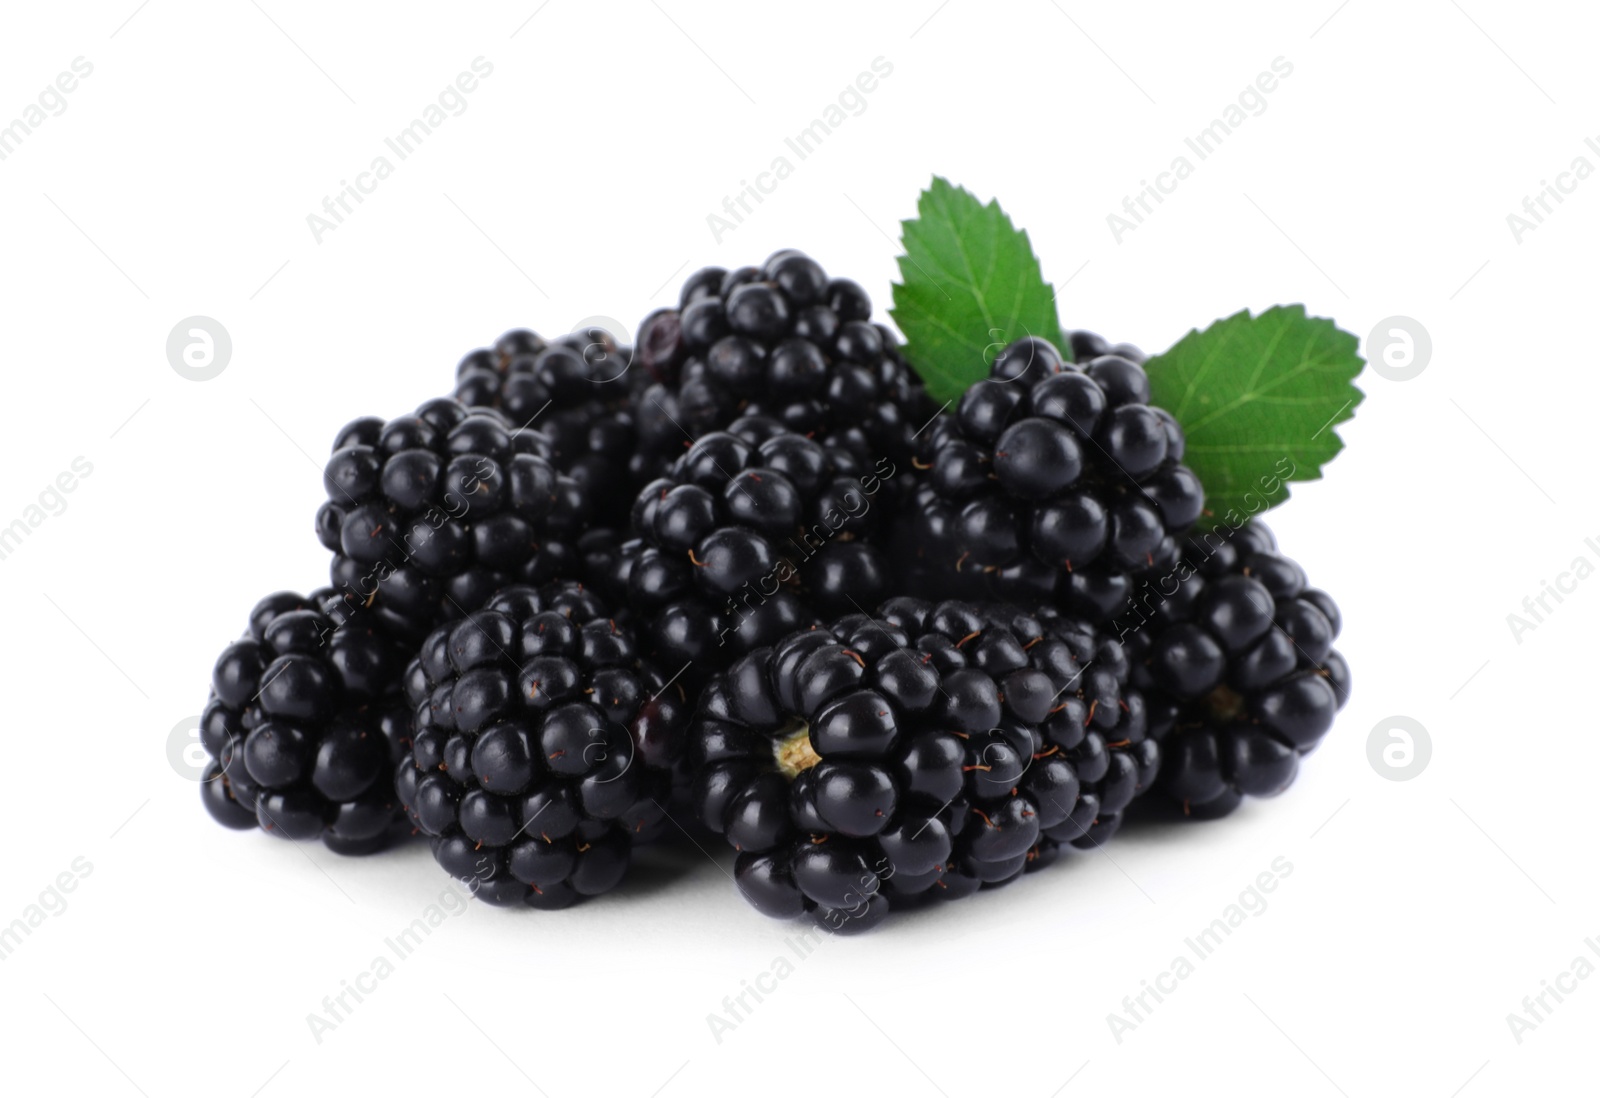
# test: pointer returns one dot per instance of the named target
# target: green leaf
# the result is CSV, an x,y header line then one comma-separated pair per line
x,y
969,285
1258,398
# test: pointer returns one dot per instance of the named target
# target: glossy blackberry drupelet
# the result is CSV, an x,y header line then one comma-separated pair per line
x,y
755,532
543,747
605,557
923,753
782,340
575,390
304,726
430,513
1051,481
1085,345
1235,655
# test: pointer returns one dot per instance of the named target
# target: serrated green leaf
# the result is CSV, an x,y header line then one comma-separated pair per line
x,y
969,285
1258,398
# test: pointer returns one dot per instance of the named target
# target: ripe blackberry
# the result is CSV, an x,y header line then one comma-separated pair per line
x,y
428,514
781,340
754,532
543,746
575,390
926,752
1051,481
1235,655
304,725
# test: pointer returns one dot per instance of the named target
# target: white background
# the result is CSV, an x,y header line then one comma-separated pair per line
x,y
577,182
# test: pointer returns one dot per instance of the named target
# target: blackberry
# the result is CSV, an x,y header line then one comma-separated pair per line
x,y
1052,481
1235,654
430,513
543,746
575,389
925,752
754,532
304,725
780,340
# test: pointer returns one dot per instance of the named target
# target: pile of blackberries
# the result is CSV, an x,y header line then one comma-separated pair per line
x,y
747,579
